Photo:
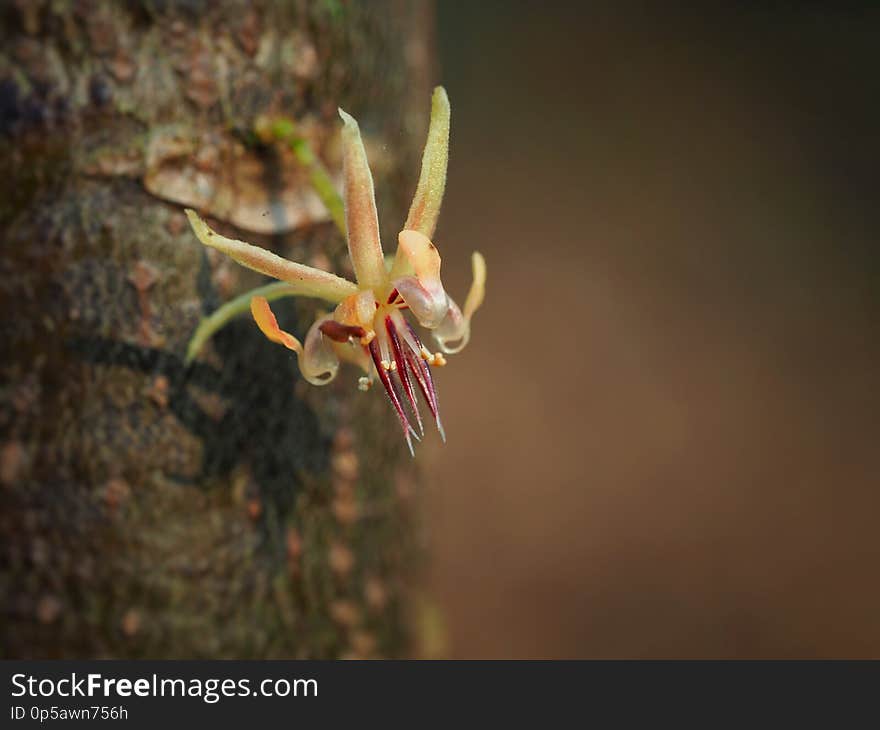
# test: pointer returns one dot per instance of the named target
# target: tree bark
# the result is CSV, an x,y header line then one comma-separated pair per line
x,y
223,509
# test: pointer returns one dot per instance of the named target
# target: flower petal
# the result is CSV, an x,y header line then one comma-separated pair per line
x,y
358,309
318,361
425,208
422,291
265,319
364,244
454,332
307,280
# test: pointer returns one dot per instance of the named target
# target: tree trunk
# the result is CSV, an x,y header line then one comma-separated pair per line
x,y
227,508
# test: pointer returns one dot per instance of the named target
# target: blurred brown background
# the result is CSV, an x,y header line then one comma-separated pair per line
x,y
663,437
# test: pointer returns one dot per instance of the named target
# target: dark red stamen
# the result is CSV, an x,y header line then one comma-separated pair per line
x,y
340,332
392,296
392,392
422,373
403,371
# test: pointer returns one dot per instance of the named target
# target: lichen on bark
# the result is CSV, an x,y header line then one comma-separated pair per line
x,y
154,509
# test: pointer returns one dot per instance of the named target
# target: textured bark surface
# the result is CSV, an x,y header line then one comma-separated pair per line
x,y
227,509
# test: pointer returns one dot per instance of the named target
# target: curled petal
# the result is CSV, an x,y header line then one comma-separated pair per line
x,y
426,202
358,309
454,331
422,290
317,360
415,255
364,244
308,281
428,306
265,319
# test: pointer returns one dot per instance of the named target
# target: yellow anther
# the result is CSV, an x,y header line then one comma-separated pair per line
x,y
435,359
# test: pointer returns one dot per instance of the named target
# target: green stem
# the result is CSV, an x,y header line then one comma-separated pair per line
x,y
284,130
234,307
321,182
